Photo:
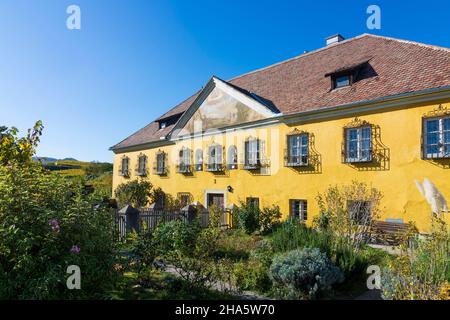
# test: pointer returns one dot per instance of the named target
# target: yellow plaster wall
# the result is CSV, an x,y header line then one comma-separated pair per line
x,y
400,132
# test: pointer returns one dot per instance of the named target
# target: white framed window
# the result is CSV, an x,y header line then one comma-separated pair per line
x,y
142,165
232,157
160,163
184,160
298,209
437,137
215,157
199,160
252,152
124,170
298,150
358,144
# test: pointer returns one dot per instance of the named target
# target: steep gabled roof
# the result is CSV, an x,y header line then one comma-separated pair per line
x,y
302,83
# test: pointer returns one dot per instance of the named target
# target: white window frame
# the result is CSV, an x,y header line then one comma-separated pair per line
x,y
160,163
441,138
252,152
185,160
299,209
232,157
142,159
359,147
199,160
215,157
125,166
295,149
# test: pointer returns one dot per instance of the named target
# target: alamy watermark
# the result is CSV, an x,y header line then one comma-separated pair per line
x,y
374,20
74,280
374,279
73,21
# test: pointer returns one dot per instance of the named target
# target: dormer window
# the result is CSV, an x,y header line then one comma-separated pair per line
x,y
347,75
342,81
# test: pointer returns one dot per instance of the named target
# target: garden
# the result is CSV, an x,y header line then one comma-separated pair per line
x,y
48,223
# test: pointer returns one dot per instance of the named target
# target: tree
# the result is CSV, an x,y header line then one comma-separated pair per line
x,y
135,193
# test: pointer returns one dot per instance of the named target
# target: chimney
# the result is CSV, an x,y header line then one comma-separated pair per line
x,y
334,39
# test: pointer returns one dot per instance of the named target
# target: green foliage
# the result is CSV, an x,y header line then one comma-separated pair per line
x,y
14,149
168,201
40,221
144,250
189,248
248,217
176,236
215,216
305,272
293,235
268,218
254,273
422,269
47,224
135,193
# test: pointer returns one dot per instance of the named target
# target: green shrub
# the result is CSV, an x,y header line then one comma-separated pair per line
x,y
248,217
305,272
47,224
176,235
253,274
294,234
268,218
144,250
135,193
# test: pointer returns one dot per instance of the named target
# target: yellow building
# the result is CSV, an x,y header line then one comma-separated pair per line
x,y
371,109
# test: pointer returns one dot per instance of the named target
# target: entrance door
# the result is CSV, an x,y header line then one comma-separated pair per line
x,y
216,199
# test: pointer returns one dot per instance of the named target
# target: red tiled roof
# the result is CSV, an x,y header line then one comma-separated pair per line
x,y
299,84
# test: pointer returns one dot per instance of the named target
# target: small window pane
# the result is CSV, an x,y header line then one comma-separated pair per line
x,y
342,81
366,133
446,124
432,125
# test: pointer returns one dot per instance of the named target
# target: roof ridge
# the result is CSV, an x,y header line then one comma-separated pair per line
x,y
340,43
431,46
301,55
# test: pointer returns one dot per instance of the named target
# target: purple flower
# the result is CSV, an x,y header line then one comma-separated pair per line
x,y
55,225
75,249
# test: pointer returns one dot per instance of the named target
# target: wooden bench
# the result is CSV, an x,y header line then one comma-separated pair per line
x,y
388,232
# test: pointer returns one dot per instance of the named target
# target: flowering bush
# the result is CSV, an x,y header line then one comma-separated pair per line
x,y
43,230
304,272
46,225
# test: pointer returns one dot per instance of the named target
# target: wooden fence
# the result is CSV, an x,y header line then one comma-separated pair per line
x,y
148,219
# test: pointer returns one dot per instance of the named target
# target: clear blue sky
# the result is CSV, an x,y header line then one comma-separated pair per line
x,y
132,60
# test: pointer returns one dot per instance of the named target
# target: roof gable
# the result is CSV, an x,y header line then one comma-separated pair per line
x,y
221,105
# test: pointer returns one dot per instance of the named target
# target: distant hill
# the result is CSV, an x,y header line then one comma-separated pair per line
x,y
95,174
45,159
